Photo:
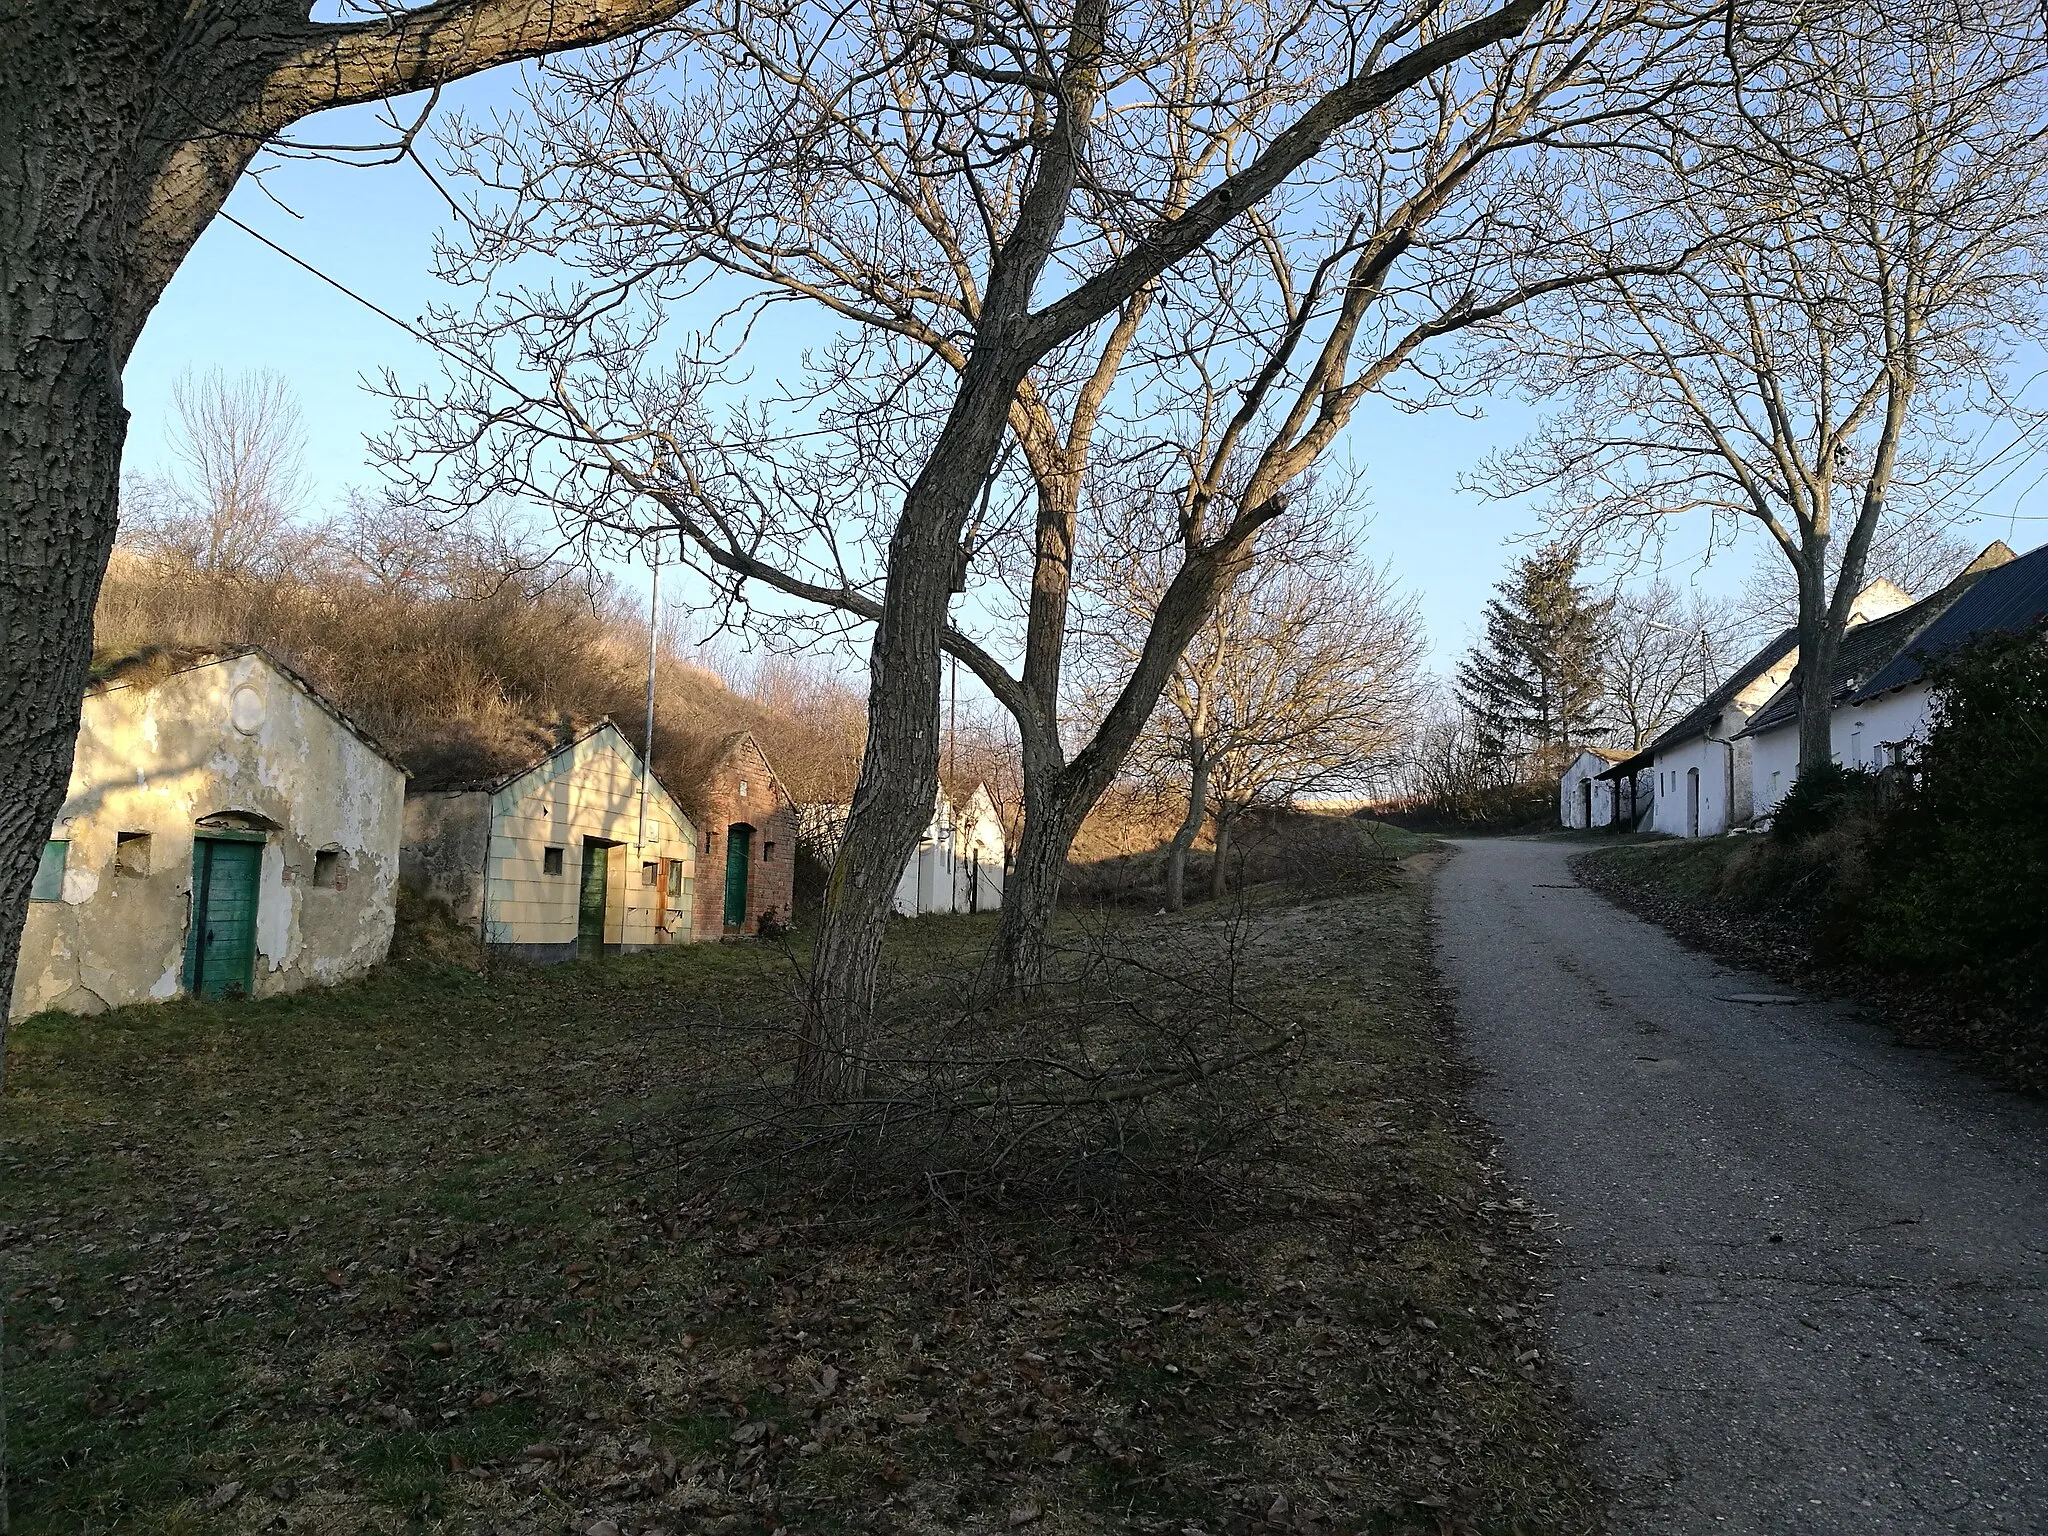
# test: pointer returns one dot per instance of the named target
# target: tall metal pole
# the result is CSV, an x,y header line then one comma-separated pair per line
x,y
653,655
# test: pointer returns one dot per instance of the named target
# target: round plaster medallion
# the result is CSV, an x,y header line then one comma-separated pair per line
x,y
245,710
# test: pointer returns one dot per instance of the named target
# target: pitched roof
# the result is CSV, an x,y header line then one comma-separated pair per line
x,y
2007,597
1870,650
1694,722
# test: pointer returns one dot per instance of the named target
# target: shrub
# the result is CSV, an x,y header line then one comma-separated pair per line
x,y
1963,873
1823,798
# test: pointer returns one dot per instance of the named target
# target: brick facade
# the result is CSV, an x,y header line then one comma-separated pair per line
x,y
740,789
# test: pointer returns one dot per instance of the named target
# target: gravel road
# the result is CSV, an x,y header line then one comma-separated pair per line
x,y
1803,1276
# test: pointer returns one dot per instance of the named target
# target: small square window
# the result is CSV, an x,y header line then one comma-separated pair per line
x,y
767,852
49,882
327,868
131,853
551,861
650,874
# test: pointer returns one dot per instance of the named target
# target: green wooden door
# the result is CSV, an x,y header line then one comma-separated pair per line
x,y
590,899
220,951
739,842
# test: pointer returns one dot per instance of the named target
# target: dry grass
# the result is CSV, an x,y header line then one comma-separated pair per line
x,y
441,1252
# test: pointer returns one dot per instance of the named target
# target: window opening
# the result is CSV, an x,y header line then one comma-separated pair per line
x,y
743,789
551,861
327,868
131,853
767,852
49,881
650,874
675,879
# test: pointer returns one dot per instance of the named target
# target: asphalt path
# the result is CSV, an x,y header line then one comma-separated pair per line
x,y
1802,1278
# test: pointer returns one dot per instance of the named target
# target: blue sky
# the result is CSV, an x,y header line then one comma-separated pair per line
x,y
239,306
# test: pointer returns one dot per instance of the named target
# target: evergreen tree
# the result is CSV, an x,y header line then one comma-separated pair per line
x,y
1535,685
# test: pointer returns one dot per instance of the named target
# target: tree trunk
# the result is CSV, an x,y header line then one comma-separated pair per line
x,y
1219,872
1032,890
67,231
1184,836
1819,642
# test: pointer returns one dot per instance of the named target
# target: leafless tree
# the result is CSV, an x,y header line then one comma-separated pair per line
x,y
1664,652
124,124
1870,185
229,505
1918,556
901,199
1304,678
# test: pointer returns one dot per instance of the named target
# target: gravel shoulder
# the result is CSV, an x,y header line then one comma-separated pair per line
x,y
1800,1283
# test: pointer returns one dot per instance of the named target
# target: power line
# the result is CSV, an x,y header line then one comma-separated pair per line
x,y
373,307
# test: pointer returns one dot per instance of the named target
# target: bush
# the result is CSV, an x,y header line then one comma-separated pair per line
x,y
1962,881
1824,798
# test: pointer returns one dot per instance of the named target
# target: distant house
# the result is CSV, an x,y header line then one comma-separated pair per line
x,y
1584,799
1881,696
958,863
581,852
1698,772
227,832
749,820
979,848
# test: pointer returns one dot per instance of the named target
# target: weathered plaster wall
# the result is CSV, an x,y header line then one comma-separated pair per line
x,y
1670,814
232,736
590,790
447,840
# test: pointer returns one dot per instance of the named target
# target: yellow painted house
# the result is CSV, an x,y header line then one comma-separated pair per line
x,y
580,853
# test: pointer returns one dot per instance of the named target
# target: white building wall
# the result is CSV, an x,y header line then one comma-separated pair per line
x,y
1572,793
1773,766
1670,784
1863,737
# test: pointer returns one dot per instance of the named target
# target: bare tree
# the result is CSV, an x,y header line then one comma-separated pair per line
x,y
1304,678
124,124
1217,367
1916,555
1663,652
1050,143
1870,185
229,505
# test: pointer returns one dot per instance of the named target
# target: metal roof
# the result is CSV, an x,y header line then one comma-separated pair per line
x,y
1694,722
2008,598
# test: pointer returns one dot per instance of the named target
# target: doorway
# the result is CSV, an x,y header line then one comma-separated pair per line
x,y
739,847
220,950
590,897
1692,802
1586,804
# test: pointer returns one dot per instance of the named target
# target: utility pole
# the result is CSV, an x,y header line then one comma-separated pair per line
x,y
653,655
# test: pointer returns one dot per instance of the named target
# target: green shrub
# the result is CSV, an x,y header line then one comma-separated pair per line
x,y
1962,874
1823,798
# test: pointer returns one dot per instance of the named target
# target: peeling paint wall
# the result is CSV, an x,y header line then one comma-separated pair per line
x,y
447,840
235,737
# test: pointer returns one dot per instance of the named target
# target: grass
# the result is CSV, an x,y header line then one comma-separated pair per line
x,y
415,1255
